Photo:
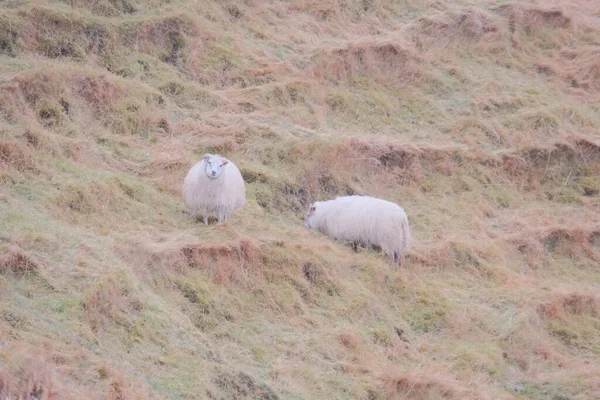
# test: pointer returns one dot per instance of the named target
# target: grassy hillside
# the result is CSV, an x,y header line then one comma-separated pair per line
x,y
480,118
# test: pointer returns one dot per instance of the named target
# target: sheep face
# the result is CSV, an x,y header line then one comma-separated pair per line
x,y
308,222
215,165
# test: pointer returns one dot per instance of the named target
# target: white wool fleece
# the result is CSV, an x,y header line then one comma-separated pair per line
x,y
214,185
363,219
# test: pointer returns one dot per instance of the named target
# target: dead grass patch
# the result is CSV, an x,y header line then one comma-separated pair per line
x,y
54,34
59,97
169,36
385,61
111,8
16,155
578,67
564,304
551,163
532,19
17,262
118,388
226,263
456,27
321,11
536,244
110,301
585,69
425,384
35,381
33,378
240,385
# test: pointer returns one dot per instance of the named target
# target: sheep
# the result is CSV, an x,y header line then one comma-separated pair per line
x,y
214,185
363,219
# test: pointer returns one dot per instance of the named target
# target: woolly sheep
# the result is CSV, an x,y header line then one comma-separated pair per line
x,y
363,219
214,185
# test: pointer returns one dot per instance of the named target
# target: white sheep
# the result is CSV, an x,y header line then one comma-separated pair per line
x,y
214,185
363,219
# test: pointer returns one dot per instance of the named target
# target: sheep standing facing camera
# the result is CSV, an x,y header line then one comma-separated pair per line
x,y
214,186
365,220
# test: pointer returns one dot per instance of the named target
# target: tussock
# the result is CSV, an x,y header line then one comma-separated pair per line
x,y
227,262
576,242
57,35
456,27
532,19
384,61
109,301
322,11
58,97
15,155
233,262
241,386
349,340
579,67
118,388
110,8
169,37
15,261
33,379
562,304
425,384
526,163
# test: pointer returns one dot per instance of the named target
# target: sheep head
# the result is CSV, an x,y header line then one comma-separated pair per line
x,y
214,165
309,217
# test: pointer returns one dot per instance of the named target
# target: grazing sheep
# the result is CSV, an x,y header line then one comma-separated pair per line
x,y
363,219
214,186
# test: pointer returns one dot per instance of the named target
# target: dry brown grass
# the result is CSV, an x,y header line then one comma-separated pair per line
x,y
15,261
425,385
577,67
569,303
34,379
390,61
110,302
15,155
457,27
481,120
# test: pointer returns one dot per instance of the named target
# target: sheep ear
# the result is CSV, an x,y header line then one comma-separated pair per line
x,y
312,208
205,157
224,162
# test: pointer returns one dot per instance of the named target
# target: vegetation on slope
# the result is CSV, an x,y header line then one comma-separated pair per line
x,y
480,118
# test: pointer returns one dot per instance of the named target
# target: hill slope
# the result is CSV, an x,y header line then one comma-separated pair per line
x,y
480,118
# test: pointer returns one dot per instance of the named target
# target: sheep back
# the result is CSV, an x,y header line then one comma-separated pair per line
x,y
364,219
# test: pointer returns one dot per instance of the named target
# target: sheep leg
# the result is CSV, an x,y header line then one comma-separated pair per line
x,y
220,217
206,220
397,259
354,246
